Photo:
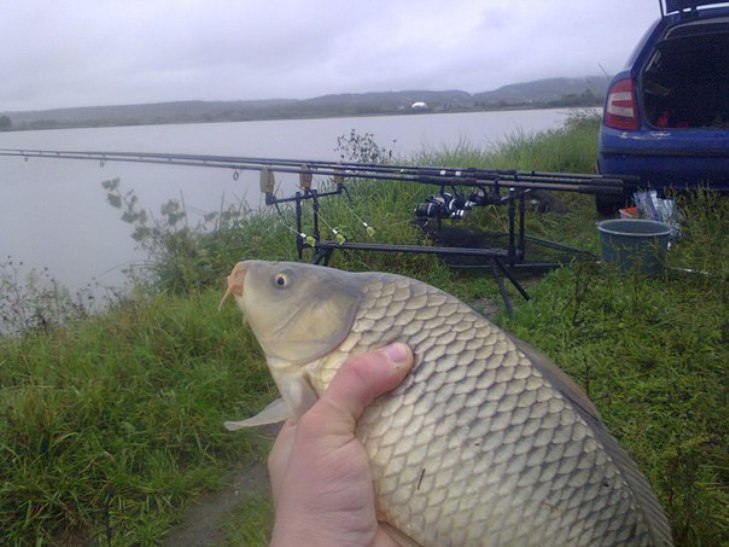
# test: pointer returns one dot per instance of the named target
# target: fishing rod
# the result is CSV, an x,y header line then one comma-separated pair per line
x,y
218,160
460,190
432,175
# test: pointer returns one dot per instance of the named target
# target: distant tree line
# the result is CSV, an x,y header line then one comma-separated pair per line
x,y
373,104
571,100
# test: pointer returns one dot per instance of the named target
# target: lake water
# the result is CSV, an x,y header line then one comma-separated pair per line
x,y
53,213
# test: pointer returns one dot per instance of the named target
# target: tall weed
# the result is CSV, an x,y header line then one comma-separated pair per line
x,y
186,254
34,301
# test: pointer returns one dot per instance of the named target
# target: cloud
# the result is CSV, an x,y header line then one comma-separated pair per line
x,y
129,51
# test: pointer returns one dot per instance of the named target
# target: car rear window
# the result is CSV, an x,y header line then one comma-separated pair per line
x,y
685,83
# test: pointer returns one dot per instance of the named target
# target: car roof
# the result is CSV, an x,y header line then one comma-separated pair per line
x,y
673,6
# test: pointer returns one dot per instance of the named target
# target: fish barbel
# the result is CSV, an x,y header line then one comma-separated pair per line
x,y
485,442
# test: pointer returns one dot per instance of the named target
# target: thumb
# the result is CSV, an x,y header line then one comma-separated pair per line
x,y
361,379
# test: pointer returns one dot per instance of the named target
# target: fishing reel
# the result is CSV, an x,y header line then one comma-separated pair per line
x,y
442,205
453,206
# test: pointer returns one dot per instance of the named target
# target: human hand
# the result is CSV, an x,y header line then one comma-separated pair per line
x,y
320,473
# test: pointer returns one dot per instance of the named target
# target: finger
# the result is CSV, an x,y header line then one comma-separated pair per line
x,y
362,378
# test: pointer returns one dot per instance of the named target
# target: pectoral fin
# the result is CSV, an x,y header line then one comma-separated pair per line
x,y
297,396
275,412
296,391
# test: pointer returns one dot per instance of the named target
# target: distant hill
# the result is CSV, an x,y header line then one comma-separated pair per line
x,y
545,91
390,101
552,92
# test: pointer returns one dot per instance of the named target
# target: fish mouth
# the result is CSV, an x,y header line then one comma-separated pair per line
x,y
235,283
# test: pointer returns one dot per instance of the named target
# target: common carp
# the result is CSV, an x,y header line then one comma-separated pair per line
x,y
485,442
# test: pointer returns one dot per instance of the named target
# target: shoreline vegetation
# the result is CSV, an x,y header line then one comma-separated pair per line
x,y
111,423
550,93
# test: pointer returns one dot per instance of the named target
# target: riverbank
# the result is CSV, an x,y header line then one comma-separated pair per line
x,y
73,197
111,424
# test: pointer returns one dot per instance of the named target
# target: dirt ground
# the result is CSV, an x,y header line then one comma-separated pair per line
x,y
202,526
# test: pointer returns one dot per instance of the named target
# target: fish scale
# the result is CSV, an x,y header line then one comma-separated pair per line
x,y
455,461
481,444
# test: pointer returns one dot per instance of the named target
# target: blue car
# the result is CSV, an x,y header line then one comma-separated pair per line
x,y
666,117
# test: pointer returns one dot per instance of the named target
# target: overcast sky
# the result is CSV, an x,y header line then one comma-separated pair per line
x,y
63,53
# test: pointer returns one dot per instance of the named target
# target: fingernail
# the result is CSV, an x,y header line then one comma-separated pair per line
x,y
397,352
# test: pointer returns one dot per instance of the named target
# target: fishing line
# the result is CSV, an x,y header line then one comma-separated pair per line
x,y
368,229
307,238
337,234
306,180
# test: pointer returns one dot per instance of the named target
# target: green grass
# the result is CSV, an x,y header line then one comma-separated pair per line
x,y
569,149
652,355
111,426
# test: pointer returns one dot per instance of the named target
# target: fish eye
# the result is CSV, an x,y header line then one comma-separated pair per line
x,y
281,279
